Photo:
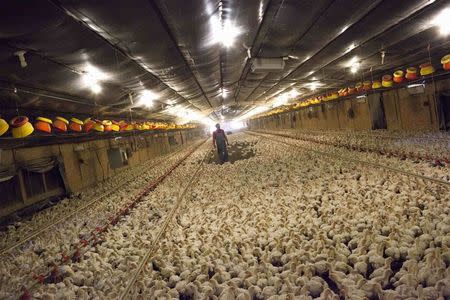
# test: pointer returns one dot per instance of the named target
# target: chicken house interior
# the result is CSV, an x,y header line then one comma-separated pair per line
x,y
225,149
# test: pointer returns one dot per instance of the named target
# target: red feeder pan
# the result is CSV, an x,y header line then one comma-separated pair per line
x,y
398,76
446,62
411,73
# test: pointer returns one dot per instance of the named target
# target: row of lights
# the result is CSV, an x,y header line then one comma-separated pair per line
x,y
92,77
225,33
284,98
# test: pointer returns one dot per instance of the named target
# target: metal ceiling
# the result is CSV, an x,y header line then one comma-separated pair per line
x,y
167,47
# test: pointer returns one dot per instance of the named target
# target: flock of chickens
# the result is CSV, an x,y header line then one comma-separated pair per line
x,y
285,223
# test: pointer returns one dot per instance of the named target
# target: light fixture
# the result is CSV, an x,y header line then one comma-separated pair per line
x,y
146,98
314,85
92,76
293,93
261,11
442,21
95,88
225,32
344,28
252,112
354,64
186,115
224,93
280,100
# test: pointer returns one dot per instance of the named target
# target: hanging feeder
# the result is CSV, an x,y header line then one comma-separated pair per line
x,y
411,73
129,127
107,125
4,126
351,90
43,125
334,95
21,127
376,84
76,125
60,124
115,126
445,61
359,87
426,69
98,126
88,125
387,81
398,76
367,86
123,125
343,92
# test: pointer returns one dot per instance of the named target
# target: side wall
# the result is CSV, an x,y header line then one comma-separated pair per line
x,y
84,164
403,111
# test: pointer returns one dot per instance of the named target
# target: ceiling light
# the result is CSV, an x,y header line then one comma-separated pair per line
x,y
146,98
95,88
254,111
229,33
224,33
94,73
442,20
92,76
186,115
344,28
354,68
314,85
261,11
280,100
293,93
354,64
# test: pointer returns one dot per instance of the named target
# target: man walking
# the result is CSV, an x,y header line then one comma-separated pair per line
x,y
220,140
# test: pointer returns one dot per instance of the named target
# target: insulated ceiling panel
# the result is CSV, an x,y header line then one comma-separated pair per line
x,y
173,49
